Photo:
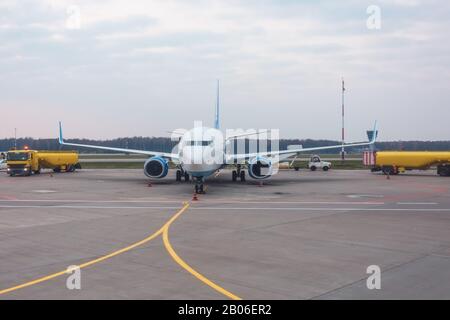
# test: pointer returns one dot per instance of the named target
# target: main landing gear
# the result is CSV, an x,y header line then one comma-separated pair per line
x,y
238,173
182,174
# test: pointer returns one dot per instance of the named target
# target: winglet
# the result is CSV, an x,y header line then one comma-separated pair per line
x,y
61,140
374,134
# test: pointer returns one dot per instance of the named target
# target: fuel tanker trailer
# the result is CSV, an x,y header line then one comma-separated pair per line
x,y
394,162
27,162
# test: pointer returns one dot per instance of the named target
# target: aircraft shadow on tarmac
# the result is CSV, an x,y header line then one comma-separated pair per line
x,y
227,182
223,179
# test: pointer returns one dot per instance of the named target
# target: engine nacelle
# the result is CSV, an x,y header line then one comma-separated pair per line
x,y
260,168
156,167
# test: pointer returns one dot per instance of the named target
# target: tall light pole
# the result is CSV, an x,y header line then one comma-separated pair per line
x,y
15,138
343,122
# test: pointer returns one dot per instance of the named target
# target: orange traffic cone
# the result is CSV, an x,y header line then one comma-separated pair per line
x,y
194,197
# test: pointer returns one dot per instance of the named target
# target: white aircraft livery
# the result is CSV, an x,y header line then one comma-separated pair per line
x,y
202,151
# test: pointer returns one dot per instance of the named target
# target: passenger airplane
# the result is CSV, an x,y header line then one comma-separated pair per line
x,y
202,152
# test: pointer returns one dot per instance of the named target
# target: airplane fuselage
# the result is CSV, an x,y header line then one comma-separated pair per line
x,y
201,151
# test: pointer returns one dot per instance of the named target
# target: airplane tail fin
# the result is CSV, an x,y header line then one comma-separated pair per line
x,y
217,116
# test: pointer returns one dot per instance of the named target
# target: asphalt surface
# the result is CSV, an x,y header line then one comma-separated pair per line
x,y
301,235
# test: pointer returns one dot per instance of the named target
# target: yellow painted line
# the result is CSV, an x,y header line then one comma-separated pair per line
x,y
189,269
103,258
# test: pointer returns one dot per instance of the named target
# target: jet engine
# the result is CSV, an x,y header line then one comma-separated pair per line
x,y
156,167
260,168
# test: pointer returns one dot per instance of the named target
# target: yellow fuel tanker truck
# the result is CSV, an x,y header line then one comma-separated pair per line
x,y
27,162
394,162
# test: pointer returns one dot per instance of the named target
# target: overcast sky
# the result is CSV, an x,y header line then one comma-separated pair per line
x,y
142,67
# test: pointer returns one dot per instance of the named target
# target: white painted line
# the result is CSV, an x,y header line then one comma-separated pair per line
x,y
86,207
90,201
417,203
365,196
322,209
206,201
301,202
227,208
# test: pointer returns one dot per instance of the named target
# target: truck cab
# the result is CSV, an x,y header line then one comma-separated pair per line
x,y
316,163
20,162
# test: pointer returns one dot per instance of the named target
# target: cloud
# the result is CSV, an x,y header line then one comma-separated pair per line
x,y
132,62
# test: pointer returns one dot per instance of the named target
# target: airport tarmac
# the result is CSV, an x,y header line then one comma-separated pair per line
x,y
301,235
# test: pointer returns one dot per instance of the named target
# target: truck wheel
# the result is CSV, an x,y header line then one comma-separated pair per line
x,y
325,168
444,171
388,170
296,168
313,168
57,170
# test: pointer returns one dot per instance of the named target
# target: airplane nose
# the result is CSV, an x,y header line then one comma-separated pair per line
x,y
197,155
192,155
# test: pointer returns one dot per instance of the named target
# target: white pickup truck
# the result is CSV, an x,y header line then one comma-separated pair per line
x,y
316,163
3,165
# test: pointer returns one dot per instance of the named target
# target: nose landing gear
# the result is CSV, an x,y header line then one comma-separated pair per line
x,y
199,185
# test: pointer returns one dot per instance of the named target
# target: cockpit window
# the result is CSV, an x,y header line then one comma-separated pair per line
x,y
203,143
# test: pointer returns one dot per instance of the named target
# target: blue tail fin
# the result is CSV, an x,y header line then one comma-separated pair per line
x,y
217,117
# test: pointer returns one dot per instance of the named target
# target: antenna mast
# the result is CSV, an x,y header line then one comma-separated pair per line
x,y
343,122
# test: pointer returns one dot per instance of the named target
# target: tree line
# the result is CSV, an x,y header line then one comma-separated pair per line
x,y
164,144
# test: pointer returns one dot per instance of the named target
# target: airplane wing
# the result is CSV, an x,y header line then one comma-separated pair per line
x,y
285,154
150,153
